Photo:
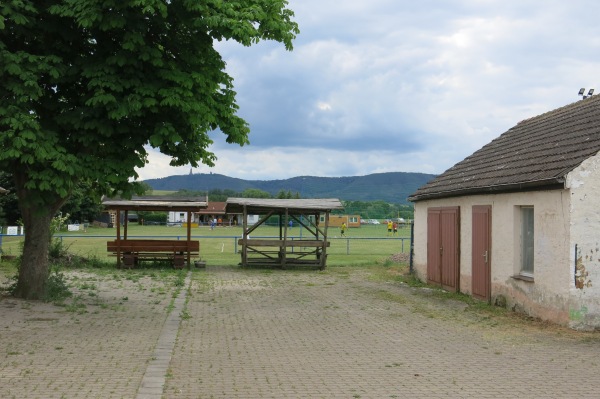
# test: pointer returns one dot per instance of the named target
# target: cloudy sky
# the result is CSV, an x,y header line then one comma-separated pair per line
x,y
400,85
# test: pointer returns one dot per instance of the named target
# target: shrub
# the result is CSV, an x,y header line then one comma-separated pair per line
x,y
57,249
57,288
156,217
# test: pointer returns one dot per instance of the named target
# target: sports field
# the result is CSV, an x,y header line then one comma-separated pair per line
x,y
364,245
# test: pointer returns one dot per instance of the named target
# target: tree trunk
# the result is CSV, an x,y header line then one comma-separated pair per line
x,y
37,210
33,272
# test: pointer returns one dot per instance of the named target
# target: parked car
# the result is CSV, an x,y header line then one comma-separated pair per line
x,y
374,221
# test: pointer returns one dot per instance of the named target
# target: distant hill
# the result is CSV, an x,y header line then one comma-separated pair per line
x,y
393,187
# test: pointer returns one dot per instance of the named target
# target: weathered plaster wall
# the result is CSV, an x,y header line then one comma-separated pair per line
x,y
584,184
548,296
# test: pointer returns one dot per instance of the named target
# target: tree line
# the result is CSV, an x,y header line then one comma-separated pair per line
x,y
366,209
218,195
84,204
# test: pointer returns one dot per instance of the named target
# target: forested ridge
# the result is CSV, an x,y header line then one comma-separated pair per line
x,y
393,187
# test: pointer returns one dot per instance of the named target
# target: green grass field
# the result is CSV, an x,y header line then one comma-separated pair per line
x,y
365,245
162,192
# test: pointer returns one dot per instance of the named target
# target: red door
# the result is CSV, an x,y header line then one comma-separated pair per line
x,y
434,247
481,259
443,247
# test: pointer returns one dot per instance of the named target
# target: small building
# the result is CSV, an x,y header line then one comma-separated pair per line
x,y
214,211
350,220
517,221
179,217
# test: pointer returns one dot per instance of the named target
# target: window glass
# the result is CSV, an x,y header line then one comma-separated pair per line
x,y
527,235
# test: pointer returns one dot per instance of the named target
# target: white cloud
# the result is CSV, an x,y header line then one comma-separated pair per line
x,y
387,85
324,106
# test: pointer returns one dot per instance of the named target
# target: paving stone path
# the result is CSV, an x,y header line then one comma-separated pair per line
x,y
243,333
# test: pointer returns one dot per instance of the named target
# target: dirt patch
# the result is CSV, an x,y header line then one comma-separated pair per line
x,y
399,258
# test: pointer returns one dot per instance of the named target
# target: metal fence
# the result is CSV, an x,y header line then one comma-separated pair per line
x,y
225,248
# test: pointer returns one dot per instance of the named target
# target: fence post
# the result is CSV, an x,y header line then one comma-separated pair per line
x,y
235,250
347,246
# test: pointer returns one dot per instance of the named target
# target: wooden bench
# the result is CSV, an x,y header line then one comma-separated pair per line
x,y
254,242
257,251
133,251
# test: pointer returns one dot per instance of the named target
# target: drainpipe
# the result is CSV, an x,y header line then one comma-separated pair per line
x,y
412,246
575,268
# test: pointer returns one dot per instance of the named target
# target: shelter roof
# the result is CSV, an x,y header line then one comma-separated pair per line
x,y
156,203
263,205
537,153
214,207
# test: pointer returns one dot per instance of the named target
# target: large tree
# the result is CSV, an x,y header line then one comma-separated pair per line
x,y
9,204
87,85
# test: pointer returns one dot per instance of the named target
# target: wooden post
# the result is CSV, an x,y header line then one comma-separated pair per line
x,y
118,221
284,248
125,224
245,237
189,238
324,253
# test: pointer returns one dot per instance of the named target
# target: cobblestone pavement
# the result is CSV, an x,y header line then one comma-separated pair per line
x,y
250,333
305,334
97,345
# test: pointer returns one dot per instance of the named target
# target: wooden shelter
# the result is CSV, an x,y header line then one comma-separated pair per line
x,y
132,251
285,250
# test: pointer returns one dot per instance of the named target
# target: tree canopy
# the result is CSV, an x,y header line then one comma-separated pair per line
x,y
89,85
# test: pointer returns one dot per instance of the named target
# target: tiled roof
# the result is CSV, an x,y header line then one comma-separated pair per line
x,y
156,203
264,205
536,153
214,208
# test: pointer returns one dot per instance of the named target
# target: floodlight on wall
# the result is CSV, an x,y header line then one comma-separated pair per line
x,y
582,93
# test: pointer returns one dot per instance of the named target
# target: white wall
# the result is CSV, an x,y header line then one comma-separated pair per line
x,y
252,220
175,217
584,184
548,296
